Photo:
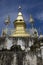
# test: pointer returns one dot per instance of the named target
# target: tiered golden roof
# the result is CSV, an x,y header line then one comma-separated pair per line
x,y
20,27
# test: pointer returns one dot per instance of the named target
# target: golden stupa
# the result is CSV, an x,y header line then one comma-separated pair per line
x,y
20,27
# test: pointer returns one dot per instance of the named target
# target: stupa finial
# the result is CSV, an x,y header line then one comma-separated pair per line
x,y
31,20
7,21
19,8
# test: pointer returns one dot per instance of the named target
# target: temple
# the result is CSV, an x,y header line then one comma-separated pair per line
x,y
21,46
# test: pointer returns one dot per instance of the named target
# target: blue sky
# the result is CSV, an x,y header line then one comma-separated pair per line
x,y
10,7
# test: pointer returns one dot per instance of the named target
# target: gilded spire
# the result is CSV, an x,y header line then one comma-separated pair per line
x,y
20,26
20,16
